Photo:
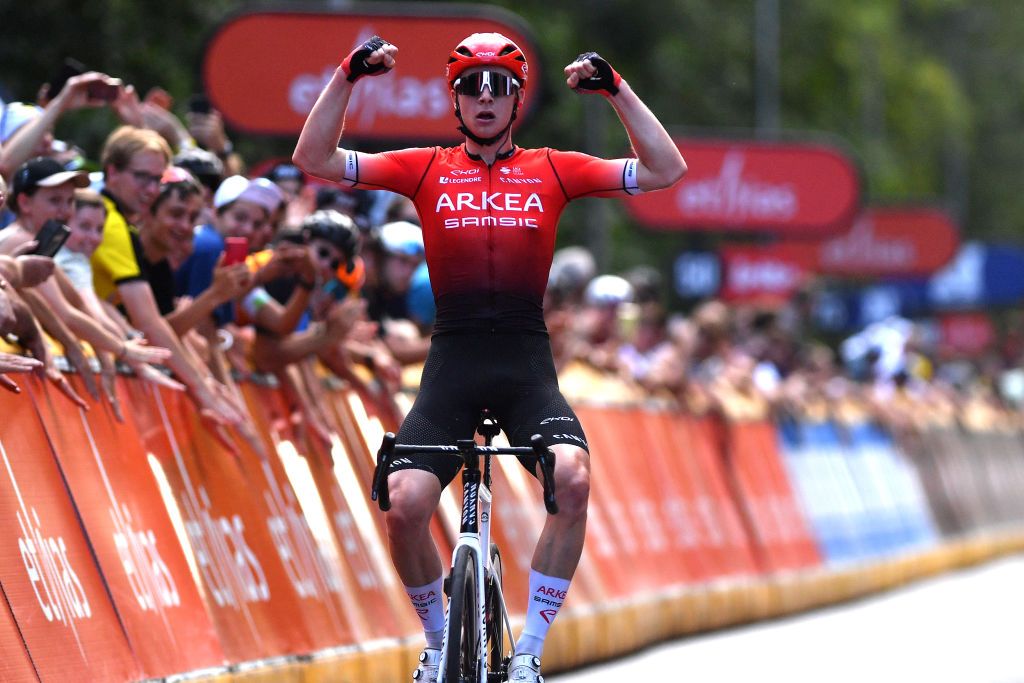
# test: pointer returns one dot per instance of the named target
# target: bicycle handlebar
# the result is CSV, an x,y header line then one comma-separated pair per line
x,y
389,448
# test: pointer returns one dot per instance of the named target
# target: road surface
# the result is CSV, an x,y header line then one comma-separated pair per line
x,y
962,627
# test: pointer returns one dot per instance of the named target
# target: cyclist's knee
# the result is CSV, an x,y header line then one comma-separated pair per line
x,y
414,497
572,480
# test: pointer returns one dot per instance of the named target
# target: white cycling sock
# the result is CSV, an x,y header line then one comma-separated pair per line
x,y
546,596
428,601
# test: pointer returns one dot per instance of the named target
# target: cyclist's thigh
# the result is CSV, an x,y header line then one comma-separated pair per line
x,y
441,415
536,406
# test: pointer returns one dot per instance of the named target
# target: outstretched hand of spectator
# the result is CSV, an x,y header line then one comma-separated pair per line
x,y
12,362
208,130
108,380
91,89
31,338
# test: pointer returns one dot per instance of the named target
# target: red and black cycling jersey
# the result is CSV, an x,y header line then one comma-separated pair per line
x,y
489,231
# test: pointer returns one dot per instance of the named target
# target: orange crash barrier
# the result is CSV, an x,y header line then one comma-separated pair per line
x,y
151,547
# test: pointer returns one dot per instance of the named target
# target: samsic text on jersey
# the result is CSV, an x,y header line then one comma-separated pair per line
x,y
489,231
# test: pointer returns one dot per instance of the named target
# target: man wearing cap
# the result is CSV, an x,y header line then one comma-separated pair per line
x,y
241,207
42,190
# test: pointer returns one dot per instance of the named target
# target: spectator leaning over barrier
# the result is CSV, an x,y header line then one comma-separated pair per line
x,y
44,191
19,322
241,207
399,254
166,229
134,161
73,259
11,362
307,312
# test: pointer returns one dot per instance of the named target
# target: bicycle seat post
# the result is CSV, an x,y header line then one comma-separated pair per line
x,y
488,428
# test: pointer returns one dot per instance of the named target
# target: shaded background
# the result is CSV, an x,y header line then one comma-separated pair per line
x,y
928,95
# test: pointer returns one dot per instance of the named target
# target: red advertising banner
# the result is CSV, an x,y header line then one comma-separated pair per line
x,y
15,664
969,333
108,473
768,274
264,70
783,188
55,590
891,241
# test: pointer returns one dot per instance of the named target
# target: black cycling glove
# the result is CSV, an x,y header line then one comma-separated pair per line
x,y
355,64
606,78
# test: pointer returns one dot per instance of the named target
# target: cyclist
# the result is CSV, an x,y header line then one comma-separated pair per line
x,y
489,211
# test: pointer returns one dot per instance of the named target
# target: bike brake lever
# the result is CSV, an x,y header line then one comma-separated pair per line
x,y
546,460
379,491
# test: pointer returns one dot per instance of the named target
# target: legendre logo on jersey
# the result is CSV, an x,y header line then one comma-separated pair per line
x,y
458,181
461,176
499,202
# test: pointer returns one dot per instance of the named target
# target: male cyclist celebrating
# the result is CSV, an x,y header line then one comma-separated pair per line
x,y
489,211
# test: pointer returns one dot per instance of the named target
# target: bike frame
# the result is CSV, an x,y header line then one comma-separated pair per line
x,y
475,527
475,532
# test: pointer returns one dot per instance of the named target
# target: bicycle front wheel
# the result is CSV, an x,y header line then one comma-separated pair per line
x,y
463,655
495,615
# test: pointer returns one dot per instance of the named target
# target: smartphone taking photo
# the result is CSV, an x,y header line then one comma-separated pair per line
x,y
235,250
102,91
51,238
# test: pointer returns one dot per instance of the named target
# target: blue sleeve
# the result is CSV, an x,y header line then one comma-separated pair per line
x,y
195,275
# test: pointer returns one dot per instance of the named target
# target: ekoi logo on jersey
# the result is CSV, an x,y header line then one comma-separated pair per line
x,y
490,202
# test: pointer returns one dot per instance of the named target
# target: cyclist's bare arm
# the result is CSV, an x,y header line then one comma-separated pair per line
x,y
659,162
317,150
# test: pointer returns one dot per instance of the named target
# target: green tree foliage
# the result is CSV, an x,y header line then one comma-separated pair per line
x,y
926,94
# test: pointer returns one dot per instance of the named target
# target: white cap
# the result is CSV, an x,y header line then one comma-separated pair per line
x,y
261,192
402,237
15,115
608,290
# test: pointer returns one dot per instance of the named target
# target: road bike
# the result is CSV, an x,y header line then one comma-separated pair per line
x,y
478,640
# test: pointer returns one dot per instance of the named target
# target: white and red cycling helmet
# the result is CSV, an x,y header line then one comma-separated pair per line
x,y
487,49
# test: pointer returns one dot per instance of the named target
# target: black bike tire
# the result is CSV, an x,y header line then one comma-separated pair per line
x,y
494,648
463,651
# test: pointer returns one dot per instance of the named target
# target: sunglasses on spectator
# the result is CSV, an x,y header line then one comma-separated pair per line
x,y
501,85
324,253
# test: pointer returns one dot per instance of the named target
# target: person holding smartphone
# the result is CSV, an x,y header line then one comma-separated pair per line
x,y
34,134
43,193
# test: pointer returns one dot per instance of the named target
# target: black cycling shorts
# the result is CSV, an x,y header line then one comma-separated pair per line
x,y
512,375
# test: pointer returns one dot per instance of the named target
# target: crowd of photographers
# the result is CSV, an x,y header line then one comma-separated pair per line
x,y
176,262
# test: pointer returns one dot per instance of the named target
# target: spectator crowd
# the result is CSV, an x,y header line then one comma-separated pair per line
x,y
180,266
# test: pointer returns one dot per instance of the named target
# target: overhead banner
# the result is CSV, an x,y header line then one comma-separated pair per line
x,y
263,71
891,241
789,189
